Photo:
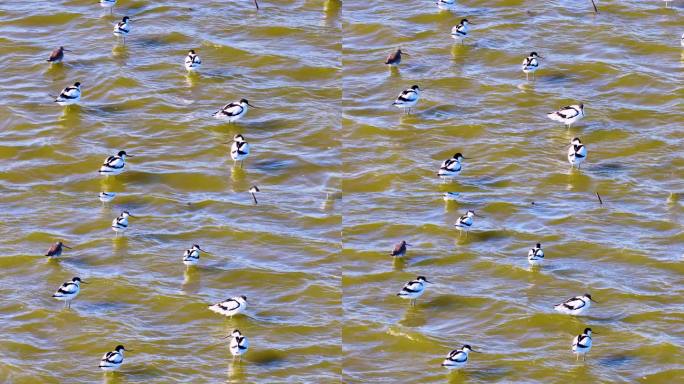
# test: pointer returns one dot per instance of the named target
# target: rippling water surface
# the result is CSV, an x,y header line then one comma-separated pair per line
x,y
181,185
625,65
343,176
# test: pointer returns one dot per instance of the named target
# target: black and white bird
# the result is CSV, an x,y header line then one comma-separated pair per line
x,y
457,358
413,289
253,190
68,291
108,4
536,255
577,153
576,306
451,167
238,344
106,197
239,149
408,98
394,58
57,55
120,223
230,307
111,361
450,196
123,28
568,114
466,221
69,95
114,165
460,32
531,64
192,61
446,4
233,111
400,249
581,344
56,249
191,256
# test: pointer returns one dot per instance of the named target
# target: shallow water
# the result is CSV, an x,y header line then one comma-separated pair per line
x,y
343,176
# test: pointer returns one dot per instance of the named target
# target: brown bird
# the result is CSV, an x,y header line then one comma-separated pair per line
x,y
57,55
400,249
395,57
56,249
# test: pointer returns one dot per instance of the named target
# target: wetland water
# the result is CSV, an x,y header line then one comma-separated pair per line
x,y
344,176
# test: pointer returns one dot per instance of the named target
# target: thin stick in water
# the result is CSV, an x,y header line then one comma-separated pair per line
x,y
594,4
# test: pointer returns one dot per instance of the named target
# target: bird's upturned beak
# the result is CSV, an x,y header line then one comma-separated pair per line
x,y
252,106
84,282
593,300
477,215
410,245
227,336
131,215
127,155
204,250
428,281
67,50
66,246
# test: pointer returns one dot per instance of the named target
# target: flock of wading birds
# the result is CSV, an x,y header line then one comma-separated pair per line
x,y
232,112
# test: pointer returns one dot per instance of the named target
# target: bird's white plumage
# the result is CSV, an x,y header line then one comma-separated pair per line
x,y
581,344
531,63
451,167
114,165
535,255
230,307
122,28
106,197
239,149
413,289
446,4
465,221
460,32
408,98
191,256
457,358
447,196
68,290
120,223
568,115
232,111
577,153
111,361
238,344
192,62
69,95
576,306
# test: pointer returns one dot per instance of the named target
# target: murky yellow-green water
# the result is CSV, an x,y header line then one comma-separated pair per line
x,y
343,176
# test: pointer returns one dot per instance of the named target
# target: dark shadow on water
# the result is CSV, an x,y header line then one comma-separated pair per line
x,y
489,374
273,165
615,361
267,358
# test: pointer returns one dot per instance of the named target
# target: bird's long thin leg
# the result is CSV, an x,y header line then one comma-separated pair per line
x,y
256,4
528,76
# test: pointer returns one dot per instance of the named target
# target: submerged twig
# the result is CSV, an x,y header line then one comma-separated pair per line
x,y
594,4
